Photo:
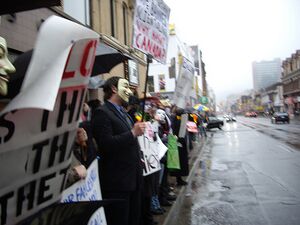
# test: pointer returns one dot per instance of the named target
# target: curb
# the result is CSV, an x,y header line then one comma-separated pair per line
x,y
180,197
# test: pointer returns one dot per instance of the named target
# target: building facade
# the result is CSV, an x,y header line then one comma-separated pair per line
x,y
272,98
112,19
266,73
291,83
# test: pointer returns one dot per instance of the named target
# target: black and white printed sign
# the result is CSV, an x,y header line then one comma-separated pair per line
x,y
38,126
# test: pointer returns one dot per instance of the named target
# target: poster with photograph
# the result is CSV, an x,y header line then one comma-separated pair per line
x,y
133,73
152,149
151,84
162,82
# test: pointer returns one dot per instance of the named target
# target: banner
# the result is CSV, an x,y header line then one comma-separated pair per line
x,y
151,28
87,190
152,148
184,83
35,143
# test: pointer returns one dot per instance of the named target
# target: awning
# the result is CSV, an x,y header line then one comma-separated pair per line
x,y
13,6
107,58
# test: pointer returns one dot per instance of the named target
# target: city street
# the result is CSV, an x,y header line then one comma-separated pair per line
x,y
247,173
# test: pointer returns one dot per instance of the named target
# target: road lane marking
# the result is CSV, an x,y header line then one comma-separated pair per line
x,y
286,148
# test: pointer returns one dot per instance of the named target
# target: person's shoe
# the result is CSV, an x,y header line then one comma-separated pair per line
x,y
171,188
171,197
181,183
157,211
165,202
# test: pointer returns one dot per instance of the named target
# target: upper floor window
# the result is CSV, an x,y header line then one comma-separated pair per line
x,y
113,17
78,9
298,62
125,23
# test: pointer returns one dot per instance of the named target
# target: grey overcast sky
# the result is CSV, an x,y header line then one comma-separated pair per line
x,y
234,33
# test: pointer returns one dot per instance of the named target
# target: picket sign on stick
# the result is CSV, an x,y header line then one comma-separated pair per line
x,y
151,28
184,83
151,33
153,150
38,126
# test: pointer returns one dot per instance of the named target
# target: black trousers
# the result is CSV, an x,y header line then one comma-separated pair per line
x,y
126,212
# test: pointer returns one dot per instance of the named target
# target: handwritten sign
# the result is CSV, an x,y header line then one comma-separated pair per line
x,y
184,84
35,143
151,27
87,190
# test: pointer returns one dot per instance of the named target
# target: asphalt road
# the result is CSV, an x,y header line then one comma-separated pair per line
x,y
247,173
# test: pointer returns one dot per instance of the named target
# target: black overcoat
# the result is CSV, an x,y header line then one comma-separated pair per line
x,y
120,166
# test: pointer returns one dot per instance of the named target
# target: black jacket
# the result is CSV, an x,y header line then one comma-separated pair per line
x,y
120,167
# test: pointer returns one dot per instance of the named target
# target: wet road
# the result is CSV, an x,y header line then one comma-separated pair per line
x,y
244,176
288,133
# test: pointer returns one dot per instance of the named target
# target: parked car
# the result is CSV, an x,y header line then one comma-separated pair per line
x,y
229,118
250,114
214,122
280,117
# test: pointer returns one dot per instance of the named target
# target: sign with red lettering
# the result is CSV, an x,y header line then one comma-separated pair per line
x,y
151,28
38,126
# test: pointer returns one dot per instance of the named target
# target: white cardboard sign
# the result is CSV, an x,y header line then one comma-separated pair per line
x,y
184,83
153,150
151,28
87,190
35,144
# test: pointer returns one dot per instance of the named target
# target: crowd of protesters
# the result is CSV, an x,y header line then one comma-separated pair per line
x,y
109,131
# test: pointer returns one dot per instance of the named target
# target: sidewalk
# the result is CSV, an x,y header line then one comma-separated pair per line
x,y
295,120
193,156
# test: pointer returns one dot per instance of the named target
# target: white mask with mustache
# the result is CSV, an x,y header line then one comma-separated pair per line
x,y
123,90
5,67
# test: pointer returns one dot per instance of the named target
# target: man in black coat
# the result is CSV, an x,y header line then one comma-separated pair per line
x,y
120,166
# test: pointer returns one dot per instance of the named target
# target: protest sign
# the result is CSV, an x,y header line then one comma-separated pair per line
x,y
182,128
153,150
151,28
87,190
184,83
79,213
35,143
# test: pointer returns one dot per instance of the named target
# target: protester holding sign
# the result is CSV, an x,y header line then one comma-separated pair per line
x,y
182,148
77,171
120,166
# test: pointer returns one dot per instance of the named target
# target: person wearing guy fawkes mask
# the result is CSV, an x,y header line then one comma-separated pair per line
x,y
5,69
120,165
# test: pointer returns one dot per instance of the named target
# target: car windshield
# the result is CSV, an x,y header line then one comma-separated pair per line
x,y
281,114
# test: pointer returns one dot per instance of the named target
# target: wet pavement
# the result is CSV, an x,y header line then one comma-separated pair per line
x,y
243,176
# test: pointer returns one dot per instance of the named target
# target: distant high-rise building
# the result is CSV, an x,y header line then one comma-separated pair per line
x,y
266,73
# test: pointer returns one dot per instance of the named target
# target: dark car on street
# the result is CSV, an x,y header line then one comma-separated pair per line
x,y
214,122
280,117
